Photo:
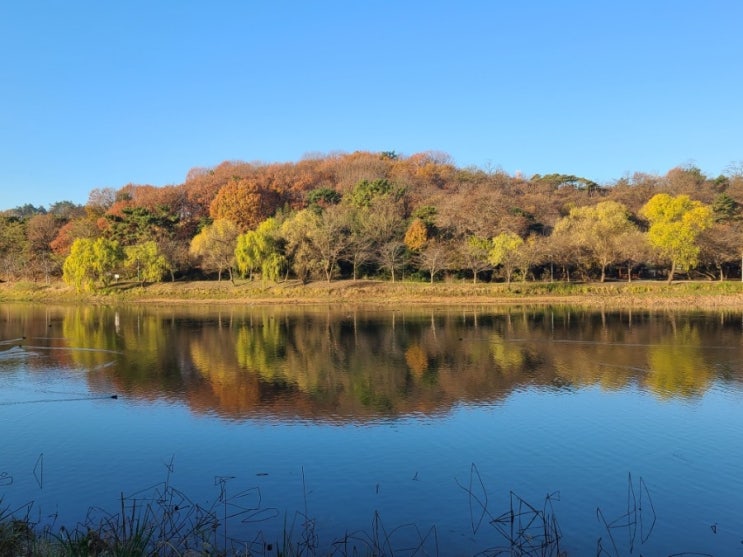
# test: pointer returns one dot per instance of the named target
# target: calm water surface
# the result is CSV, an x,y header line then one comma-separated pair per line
x,y
414,427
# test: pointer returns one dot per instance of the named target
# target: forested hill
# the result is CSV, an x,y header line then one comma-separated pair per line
x,y
382,215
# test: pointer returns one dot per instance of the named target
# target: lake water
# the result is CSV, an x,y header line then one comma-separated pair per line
x,y
413,429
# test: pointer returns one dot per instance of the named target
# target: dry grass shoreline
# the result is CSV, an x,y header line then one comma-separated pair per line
x,y
701,295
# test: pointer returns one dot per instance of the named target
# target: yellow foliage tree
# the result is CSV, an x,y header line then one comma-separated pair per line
x,y
504,253
675,225
215,245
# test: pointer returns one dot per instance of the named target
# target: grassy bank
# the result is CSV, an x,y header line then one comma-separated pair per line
x,y
682,294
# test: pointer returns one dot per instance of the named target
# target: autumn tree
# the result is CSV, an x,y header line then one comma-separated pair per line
x,y
391,256
146,262
350,169
40,232
317,241
416,235
386,224
100,200
360,249
76,228
530,255
720,245
175,250
91,263
685,180
675,225
215,245
633,251
300,253
474,255
600,230
504,253
435,256
329,235
245,202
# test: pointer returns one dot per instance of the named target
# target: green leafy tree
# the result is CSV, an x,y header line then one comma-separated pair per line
x,y
91,263
13,247
504,253
675,225
137,225
323,197
259,250
426,213
725,208
250,251
557,181
24,211
365,192
146,261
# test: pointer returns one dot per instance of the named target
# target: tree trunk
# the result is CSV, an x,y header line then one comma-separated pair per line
x,y
671,272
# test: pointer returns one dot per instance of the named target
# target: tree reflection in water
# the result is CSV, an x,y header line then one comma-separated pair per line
x,y
359,364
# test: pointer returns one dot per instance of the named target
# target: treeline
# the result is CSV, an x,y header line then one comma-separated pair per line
x,y
383,215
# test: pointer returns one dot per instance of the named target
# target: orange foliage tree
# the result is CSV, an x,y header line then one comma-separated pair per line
x,y
245,202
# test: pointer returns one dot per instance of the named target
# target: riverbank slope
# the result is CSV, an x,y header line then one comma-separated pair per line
x,y
653,294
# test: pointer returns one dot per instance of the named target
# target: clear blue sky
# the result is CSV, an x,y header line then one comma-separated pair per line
x,y
100,94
